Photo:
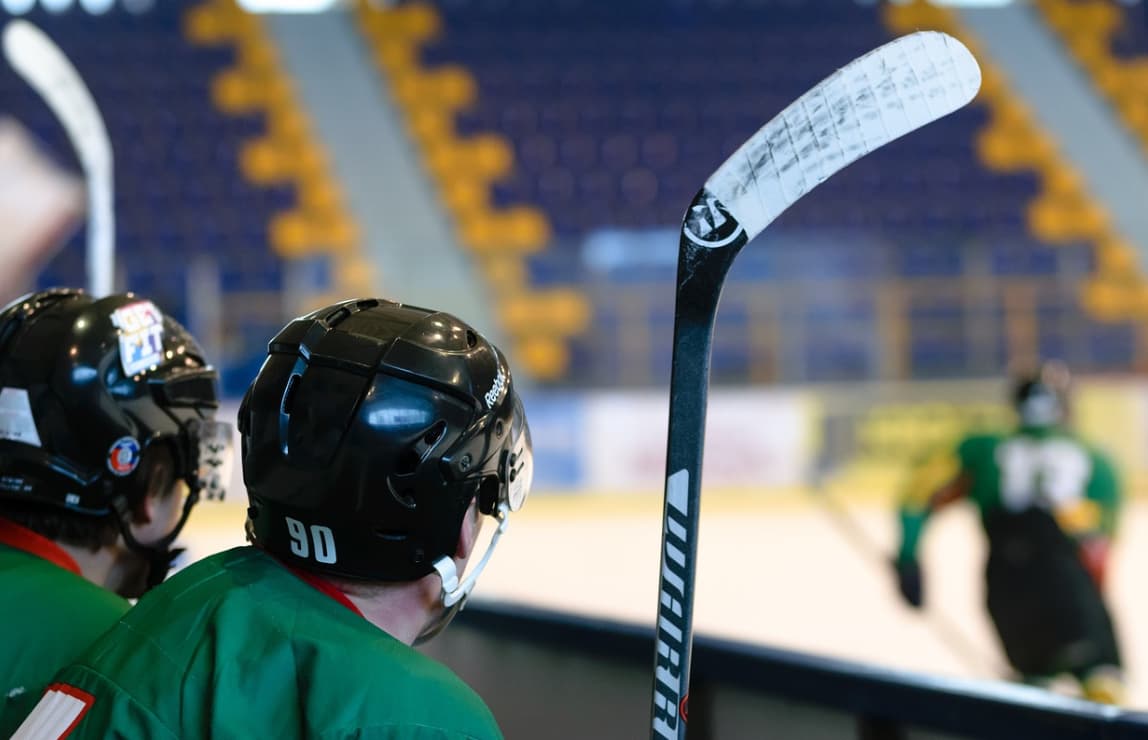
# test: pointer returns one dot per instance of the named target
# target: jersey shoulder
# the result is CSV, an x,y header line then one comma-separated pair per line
x,y
47,594
977,447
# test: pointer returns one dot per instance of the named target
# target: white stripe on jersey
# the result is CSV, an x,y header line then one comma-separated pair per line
x,y
57,713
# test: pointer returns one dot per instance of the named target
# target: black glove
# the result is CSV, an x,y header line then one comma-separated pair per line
x,y
909,582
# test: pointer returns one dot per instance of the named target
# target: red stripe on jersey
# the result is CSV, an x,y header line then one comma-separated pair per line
x,y
22,538
325,586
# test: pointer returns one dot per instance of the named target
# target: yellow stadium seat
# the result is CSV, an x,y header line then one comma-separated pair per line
x,y
1061,181
290,234
430,127
418,21
396,58
490,155
261,162
232,93
1103,299
504,273
1116,257
480,232
339,233
465,196
451,87
201,25
545,358
320,194
528,229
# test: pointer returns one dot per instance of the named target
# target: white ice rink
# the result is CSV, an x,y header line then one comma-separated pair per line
x,y
782,573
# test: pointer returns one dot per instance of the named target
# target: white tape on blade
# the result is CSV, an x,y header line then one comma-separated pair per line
x,y
873,100
16,420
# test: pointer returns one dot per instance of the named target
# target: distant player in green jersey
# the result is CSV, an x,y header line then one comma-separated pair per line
x,y
377,437
104,405
1049,504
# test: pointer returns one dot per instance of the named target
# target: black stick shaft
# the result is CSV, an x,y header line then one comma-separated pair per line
x,y
710,240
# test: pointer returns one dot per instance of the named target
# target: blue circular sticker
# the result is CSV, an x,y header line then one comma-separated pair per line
x,y
123,456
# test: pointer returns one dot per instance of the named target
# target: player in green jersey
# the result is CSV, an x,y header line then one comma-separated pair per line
x,y
103,406
1049,504
377,437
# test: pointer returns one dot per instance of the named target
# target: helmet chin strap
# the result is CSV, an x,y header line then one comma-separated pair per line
x,y
159,555
454,593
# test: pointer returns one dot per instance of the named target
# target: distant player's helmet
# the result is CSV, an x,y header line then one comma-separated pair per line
x,y
369,430
87,387
1041,396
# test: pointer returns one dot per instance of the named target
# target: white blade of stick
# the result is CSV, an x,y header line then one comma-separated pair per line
x,y
876,98
44,67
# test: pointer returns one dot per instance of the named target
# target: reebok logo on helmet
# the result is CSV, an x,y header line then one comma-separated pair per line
x,y
494,395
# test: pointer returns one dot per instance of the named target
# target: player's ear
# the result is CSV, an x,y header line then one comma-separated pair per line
x,y
157,475
468,532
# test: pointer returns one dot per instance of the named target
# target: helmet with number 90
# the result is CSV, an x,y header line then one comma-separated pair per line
x,y
367,433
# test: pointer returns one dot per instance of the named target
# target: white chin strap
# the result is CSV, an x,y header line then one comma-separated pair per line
x,y
453,591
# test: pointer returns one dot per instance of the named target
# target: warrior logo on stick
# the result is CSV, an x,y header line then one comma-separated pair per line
x,y
708,224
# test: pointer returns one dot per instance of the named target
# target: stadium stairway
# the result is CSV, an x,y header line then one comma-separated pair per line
x,y
1089,31
538,321
286,154
1064,211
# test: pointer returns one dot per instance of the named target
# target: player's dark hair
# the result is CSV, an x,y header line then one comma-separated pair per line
x,y
94,532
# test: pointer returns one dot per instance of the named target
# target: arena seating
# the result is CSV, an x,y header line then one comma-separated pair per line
x,y
618,111
181,189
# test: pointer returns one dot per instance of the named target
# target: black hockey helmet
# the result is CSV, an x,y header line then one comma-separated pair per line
x,y
1040,396
87,386
368,431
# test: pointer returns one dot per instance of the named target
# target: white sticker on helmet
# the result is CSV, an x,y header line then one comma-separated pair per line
x,y
494,395
216,446
16,422
141,336
521,473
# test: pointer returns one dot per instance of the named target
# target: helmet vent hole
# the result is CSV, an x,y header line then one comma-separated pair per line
x,y
408,461
289,394
434,434
391,535
338,317
471,339
406,497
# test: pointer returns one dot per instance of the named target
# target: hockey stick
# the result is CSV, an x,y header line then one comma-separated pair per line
x,y
42,64
876,98
955,640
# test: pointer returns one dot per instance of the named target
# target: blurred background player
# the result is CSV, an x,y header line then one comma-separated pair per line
x,y
1048,502
103,405
375,438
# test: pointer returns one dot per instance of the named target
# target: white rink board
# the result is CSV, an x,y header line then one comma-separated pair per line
x,y
781,574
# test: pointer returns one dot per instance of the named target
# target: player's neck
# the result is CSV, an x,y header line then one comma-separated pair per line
x,y
96,566
401,610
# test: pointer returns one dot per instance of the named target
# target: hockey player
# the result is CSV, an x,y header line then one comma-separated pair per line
x,y
376,437
103,407
1049,504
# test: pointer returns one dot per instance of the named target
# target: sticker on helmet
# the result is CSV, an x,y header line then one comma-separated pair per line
x,y
123,456
494,395
16,421
141,336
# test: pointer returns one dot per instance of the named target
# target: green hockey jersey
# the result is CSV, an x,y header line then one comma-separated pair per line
x,y
50,613
238,646
1048,469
